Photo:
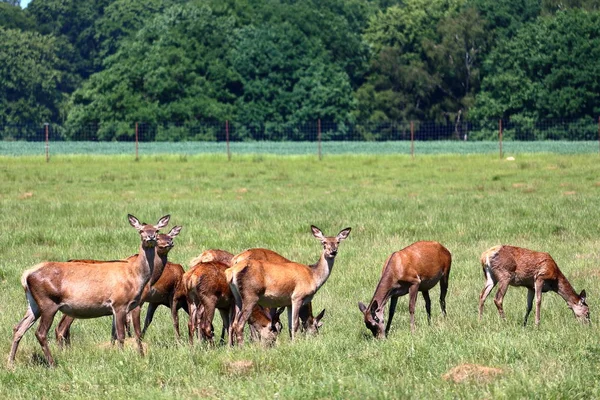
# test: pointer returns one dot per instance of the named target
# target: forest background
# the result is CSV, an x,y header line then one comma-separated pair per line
x,y
268,65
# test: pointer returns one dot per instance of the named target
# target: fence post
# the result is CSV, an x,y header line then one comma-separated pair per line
x,y
137,158
598,135
319,138
412,140
47,143
227,139
500,136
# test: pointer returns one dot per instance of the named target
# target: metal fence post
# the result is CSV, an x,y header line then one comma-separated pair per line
x,y
412,140
500,136
319,138
227,140
137,158
47,142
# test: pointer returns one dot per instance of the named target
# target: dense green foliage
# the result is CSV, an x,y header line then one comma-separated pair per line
x,y
178,66
76,207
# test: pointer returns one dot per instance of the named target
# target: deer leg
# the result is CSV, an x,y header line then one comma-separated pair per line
x,y
538,299
296,305
233,312
135,315
150,316
119,317
41,333
245,311
63,331
502,287
393,303
289,318
19,330
225,317
412,301
174,315
206,328
489,285
427,305
443,292
191,324
530,295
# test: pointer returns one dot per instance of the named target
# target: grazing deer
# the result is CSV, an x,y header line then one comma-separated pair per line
x,y
218,255
280,284
415,268
309,323
159,290
83,290
516,266
206,290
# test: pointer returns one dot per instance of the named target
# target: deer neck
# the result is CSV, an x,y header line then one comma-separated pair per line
x,y
160,261
383,291
566,291
144,264
322,269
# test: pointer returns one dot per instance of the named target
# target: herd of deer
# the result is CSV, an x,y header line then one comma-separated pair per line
x,y
256,286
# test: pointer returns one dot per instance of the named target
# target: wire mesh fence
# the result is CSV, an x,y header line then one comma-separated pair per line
x,y
318,137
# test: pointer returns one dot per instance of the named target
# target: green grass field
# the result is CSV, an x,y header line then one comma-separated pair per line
x,y
76,207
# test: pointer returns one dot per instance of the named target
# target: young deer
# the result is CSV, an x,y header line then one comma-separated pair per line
x,y
416,268
207,290
516,266
309,323
276,284
159,289
83,290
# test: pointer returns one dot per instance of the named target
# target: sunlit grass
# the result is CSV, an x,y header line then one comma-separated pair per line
x,y
76,207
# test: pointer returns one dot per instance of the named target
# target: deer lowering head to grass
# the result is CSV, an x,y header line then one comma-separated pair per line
x,y
516,266
159,290
280,284
206,289
416,268
87,290
309,323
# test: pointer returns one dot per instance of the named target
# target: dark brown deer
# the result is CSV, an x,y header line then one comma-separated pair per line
x,y
516,266
159,290
415,268
280,284
84,290
206,291
309,323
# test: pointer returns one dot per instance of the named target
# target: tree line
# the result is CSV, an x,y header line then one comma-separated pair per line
x,y
273,65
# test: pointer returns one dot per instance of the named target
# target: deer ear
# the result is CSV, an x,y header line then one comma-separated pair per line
x,y
374,307
582,296
362,307
321,315
175,231
134,222
317,232
343,234
164,221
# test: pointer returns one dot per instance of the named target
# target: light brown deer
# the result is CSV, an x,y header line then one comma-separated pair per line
x,y
159,290
273,284
206,290
83,290
309,323
415,268
516,266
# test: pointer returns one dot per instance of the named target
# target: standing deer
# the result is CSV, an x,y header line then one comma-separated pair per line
x,y
206,290
159,290
309,323
415,268
84,290
516,266
280,284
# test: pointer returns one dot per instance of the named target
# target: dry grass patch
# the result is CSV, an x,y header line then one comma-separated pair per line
x,y
472,372
240,367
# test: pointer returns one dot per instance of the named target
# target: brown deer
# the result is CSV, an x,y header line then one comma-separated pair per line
x,y
516,266
206,290
83,290
159,290
415,268
309,323
276,284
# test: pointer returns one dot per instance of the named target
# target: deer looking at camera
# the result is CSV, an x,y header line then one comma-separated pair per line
x,y
309,323
516,266
159,290
416,268
280,284
84,290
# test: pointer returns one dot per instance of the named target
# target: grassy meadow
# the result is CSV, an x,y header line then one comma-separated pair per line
x,y
76,207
